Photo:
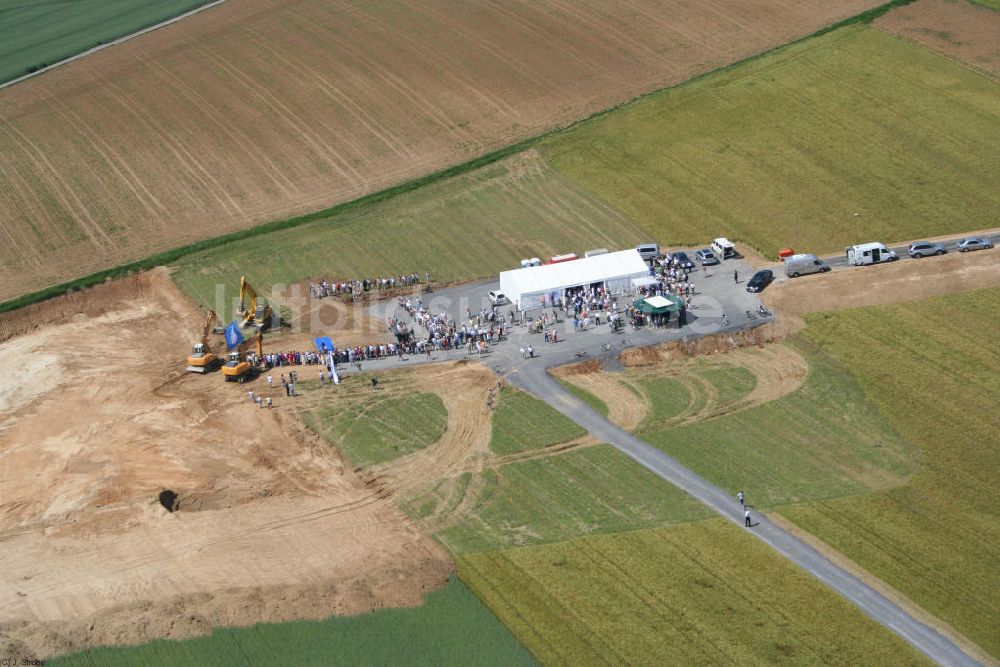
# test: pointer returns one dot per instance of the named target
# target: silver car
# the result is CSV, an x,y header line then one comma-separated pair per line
x,y
706,257
974,243
925,249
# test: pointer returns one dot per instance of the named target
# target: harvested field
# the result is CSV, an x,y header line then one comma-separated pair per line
x,y
959,30
105,420
261,109
785,150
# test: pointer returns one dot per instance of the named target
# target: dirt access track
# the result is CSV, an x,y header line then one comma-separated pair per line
x,y
260,109
98,417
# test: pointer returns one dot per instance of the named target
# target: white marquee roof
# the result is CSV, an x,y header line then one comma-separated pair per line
x,y
552,277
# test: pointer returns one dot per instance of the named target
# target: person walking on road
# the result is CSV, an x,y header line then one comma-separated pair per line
x,y
736,276
740,497
746,518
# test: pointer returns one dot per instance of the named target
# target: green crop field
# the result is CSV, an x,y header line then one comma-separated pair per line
x,y
465,227
784,150
682,396
823,440
591,490
371,427
595,403
522,423
933,370
451,628
690,594
41,32
887,452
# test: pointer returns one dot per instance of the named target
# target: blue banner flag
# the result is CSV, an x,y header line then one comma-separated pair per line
x,y
233,335
324,344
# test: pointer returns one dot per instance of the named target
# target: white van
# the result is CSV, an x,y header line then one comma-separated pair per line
x,y
869,253
648,251
723,248
595,253
804,264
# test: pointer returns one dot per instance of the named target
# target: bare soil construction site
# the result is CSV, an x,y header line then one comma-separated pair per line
x,y
258,110
89,438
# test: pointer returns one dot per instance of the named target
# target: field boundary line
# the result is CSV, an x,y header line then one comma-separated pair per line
x,y
172,255
114,42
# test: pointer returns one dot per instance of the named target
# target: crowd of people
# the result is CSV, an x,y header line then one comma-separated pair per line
x,y
356,288
674,278
276,359
443,333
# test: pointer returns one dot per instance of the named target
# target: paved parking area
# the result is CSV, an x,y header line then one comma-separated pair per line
x,y
720,304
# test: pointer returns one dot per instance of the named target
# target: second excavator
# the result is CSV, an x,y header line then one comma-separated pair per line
x,y
259,317
238,368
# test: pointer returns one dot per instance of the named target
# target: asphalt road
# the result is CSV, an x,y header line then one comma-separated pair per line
x,y
950,245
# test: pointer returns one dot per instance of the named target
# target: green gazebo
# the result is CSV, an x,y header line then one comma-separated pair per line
x,y
658,305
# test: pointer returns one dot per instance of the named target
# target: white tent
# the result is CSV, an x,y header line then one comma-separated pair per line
x,y
645,281
541,286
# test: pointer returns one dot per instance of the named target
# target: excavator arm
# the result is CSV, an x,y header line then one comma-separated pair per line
x,y
209,321
247,293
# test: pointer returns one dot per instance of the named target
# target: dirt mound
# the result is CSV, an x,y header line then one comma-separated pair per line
x,y
105,422
711,344
581,368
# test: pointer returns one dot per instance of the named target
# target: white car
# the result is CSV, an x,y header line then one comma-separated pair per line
x,y
497,298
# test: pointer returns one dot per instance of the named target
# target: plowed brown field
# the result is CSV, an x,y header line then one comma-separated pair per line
x,y
960,30
261,109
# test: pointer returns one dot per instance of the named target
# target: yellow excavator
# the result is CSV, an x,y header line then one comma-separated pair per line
x,y
237,367
251,314
202,359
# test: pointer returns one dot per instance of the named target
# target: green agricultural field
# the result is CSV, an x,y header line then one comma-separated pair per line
x,y
523,423
451,628
823,440
692,394
595,403
690,594
371,427
41,32
936,381
992,4
469,226
592,490
784,150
